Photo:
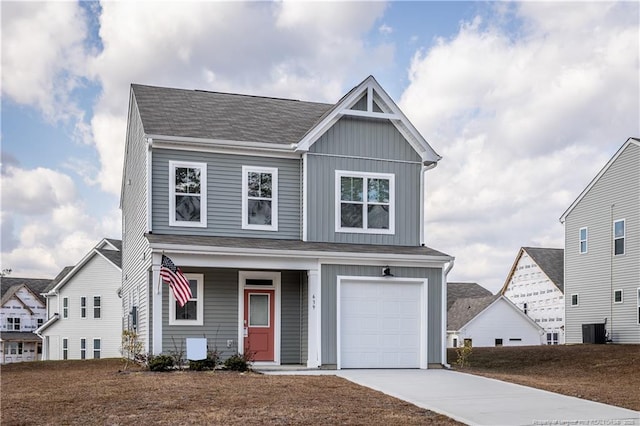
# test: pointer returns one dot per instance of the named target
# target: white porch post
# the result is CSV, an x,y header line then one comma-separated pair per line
x,y
156,289
314,319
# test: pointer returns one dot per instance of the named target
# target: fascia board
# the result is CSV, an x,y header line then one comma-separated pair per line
x,y
75,269
513,268
107,259
208,142
126,148
46,325
514,307
240,148
597,177
342,256
479,314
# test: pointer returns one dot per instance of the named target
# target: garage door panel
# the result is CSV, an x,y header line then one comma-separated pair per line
x,y
380,324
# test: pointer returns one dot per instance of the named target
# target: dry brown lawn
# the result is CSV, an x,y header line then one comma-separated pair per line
x,y
95,392
602,373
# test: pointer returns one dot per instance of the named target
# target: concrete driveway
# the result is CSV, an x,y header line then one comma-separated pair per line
x,y
478,400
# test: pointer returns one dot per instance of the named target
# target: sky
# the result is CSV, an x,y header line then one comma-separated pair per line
x,y
525,102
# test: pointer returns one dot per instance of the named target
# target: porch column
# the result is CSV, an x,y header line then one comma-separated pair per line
x,y
156,290
314,319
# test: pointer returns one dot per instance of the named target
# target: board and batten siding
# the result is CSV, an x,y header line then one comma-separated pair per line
x,y
220,322
136,253
224,194
329,274
97,277
595,275
363,145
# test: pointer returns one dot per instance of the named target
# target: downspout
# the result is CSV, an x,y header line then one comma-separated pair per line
x,y
443,303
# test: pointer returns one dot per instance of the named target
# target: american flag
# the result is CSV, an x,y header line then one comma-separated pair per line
x,y
173,276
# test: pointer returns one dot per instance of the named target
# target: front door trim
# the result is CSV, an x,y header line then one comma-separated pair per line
x,y
242,286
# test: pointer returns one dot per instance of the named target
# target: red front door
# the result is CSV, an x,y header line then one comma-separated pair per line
x,y
259,324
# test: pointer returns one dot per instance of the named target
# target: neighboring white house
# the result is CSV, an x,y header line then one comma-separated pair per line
x,y
22,310
84,308
490,321
602,254
535,286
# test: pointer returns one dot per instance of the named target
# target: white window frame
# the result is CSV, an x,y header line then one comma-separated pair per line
x,y
99,350
585,240
172,194
274,198
83,348
621,296
623,237
65,348
65,307
638,308
199,278
365,176
99,307
577,299
83,307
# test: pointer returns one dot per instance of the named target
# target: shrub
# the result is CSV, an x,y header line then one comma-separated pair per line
x,y
210,363
161,362
238,362
131,348
464,353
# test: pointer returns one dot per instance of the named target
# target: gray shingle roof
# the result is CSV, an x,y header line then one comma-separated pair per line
x,y
224,116
114,256
36,285
293,245
457,291
19,336
551,261
465,309
116,243
58,278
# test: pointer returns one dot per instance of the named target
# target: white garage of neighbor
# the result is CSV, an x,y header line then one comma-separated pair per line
x,y
381,322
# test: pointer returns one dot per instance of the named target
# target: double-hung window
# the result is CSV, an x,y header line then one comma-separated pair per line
x,y
97,306
365,202
96,348
618,237
83,307
260,198
617,296
65,348
187,194
65,307
583,240
83,348
13,324
192,312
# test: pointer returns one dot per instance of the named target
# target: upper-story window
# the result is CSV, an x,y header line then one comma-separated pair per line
x,y
65,307
260,198
618,237
583,240
192,312
83,307
97,307
365,202
188,194
13,324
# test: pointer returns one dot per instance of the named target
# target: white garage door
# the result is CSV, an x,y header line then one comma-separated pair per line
x,y
380,324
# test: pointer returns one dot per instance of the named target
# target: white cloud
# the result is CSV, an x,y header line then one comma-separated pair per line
x,y
36,191
385,29
523,123
43,56
288,49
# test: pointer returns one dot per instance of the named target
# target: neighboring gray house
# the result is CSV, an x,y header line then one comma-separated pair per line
x,y
535,284
299,225
84,318
22,310
602,252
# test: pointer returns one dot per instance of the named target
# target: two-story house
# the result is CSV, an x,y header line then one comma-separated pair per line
x,y
84,307
298,224
535,284
22,310
602,253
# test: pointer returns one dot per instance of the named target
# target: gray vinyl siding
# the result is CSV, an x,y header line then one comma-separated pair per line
x,y
595,275
220,322
224,188
329,274
136,259
291,321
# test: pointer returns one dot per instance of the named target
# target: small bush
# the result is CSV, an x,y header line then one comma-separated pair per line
x,y
210,363
238,362
161,363
464,353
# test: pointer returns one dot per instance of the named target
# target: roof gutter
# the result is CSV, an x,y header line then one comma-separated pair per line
x,y
226,143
